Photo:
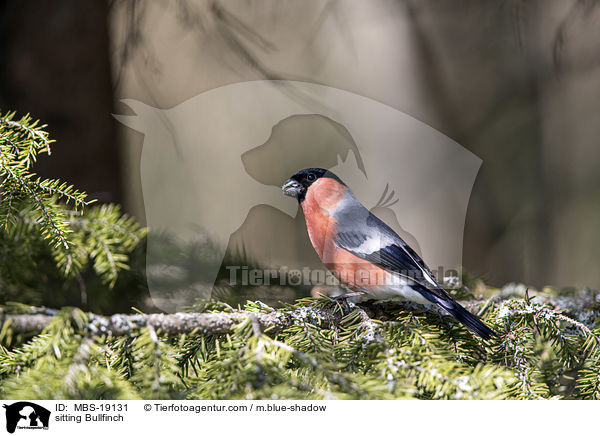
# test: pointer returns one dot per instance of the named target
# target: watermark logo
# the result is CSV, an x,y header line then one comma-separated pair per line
x,y
247,276
25,415
212,169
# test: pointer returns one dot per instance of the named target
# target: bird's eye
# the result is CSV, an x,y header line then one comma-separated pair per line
x,y
311,177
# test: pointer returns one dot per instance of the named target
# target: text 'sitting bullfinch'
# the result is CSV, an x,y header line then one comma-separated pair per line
x,y
364,253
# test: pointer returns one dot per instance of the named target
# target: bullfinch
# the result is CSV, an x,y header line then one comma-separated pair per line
x,y
364,253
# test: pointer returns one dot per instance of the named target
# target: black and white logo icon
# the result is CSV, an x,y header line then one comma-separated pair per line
x,y
26,415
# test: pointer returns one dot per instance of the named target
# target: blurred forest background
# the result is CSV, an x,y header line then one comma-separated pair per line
x,y
516,82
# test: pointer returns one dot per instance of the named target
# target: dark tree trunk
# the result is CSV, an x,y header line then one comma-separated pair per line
x,y
54,64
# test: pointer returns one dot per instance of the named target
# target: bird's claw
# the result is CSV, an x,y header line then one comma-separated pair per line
x,y
343,299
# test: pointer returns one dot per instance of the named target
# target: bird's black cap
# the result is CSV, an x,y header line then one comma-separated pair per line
x,y
297,185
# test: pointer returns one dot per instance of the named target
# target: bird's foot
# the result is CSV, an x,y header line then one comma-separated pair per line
x,y
344,300
348,295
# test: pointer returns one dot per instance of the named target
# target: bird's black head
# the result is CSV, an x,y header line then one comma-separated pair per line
x,y
298,184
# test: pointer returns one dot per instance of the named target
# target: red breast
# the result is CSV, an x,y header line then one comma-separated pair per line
x,y
318,206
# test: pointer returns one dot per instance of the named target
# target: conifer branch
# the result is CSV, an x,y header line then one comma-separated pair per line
x,y
170,324
314,348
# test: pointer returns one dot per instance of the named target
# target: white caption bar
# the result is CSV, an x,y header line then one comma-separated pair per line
x,y
297,417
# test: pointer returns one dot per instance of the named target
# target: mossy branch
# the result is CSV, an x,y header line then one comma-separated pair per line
x,y
218,323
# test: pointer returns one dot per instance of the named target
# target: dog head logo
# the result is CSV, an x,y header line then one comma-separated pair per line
x,y
212,169
26,415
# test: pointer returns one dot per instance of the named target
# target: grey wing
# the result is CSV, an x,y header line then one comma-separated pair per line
x,y
366,236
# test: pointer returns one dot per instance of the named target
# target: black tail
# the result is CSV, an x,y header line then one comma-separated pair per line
x,y
440,297
468,319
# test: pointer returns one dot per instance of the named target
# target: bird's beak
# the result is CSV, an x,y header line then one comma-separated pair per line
x,y
291,188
